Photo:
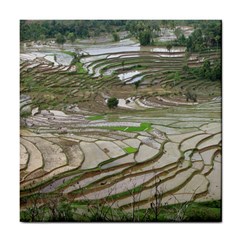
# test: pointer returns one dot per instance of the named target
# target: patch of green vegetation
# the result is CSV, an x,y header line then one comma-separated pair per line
x,y
25,114
194,212
130,150
204,212
142,127
80,68
29,84
170,76
138,67
44,106
163,44
27,79
146,126
96,117
63,212
115,128
69,53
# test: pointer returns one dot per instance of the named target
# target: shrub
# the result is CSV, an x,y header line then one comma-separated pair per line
x,y
191,96
112,102
116,37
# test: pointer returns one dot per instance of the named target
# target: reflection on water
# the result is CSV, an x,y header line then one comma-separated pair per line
x,y
63,59
164,49
171,56
111,49
127,76
55,57
136,79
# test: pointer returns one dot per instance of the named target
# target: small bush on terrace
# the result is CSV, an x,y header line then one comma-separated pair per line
x,y
112,102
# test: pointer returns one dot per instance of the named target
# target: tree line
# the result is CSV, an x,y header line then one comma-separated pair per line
x,y
38,29
207,33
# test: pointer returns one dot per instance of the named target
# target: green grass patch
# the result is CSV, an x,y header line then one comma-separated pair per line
x,y
130,150
27,79
25,114
142,127
96,117
115,128
195,212
69,53
204,212
80,68
146,126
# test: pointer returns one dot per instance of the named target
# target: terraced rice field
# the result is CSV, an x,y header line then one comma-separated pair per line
x,y
73,145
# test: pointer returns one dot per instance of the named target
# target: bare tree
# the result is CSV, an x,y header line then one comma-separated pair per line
x,y
182,208
156,204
